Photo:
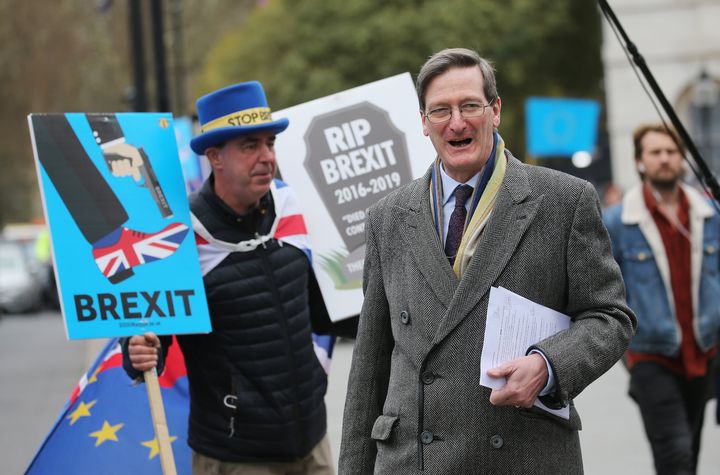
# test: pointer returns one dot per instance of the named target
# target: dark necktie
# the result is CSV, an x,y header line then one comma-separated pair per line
x,y
457,221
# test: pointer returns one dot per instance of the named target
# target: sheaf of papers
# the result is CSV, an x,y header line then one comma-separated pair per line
x,y
513,324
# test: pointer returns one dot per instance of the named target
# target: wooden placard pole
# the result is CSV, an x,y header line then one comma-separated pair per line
x,y
162,434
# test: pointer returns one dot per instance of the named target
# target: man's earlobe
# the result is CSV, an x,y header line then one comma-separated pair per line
x,y
211,153
213,156
496,108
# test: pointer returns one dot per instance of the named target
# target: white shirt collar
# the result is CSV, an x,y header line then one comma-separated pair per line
x,y
449,184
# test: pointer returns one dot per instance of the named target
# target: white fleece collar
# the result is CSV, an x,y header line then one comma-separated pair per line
x,y
634,209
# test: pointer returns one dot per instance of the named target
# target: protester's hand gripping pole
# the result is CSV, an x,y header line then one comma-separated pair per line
x,y
162,433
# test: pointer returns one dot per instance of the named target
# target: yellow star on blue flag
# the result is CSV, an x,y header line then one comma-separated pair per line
x,y
107,432
83,410
154,446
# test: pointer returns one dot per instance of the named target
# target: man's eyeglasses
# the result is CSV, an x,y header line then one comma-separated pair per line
x,y
467,110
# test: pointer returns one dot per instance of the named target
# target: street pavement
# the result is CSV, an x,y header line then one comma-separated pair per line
x,y
39,368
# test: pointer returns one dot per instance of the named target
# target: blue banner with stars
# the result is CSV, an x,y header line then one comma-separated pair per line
x,y
106,426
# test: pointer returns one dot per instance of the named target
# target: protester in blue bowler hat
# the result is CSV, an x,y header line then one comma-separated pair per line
x,y
256,386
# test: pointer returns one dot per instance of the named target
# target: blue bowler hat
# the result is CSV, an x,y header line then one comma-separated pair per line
x,y
235,110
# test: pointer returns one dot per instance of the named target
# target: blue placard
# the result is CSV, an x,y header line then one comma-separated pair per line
x,y
561,127
115,202
189,161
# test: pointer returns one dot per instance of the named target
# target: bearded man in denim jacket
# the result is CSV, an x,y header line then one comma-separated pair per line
x,y
666,238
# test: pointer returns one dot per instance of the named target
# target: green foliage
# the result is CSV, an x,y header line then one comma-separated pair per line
x,y
49,64
69,56
333,263
302,50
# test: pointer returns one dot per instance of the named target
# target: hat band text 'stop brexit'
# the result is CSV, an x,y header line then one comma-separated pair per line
x,y
258,115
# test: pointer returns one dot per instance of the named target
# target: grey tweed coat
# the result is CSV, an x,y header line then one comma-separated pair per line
x,y
414,403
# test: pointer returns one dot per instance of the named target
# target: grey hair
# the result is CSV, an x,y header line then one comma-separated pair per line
x,y
449,58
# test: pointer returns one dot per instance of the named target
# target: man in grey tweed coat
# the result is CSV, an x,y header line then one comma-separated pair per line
x,y
414,403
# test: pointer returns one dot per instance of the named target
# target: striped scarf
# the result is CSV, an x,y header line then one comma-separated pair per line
x,y
482,203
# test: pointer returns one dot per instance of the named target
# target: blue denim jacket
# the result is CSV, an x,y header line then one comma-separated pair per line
x,y
638,249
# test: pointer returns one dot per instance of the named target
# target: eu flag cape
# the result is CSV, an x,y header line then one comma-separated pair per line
x,y
106,427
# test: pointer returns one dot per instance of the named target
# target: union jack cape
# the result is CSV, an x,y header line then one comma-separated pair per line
x,y
288,228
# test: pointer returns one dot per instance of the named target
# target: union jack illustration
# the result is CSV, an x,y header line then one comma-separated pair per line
x,y
134,248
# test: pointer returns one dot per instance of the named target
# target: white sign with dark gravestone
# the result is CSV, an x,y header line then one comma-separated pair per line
x,y
359,145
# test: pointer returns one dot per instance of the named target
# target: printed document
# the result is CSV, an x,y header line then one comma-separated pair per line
x,y
513,324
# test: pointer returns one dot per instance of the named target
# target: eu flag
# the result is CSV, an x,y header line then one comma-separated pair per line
x,y
560,127
106,426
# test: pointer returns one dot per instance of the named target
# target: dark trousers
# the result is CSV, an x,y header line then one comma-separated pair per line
x,y
673,409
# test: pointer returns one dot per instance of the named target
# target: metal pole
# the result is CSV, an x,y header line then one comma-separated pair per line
x,y
137,56
161,86
177,51
707,175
